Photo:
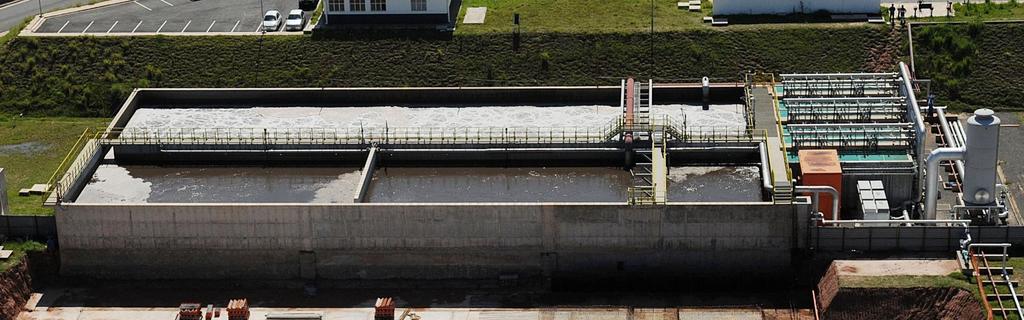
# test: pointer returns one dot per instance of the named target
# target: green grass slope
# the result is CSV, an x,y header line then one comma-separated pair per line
x,y
973,65
90,76
31,149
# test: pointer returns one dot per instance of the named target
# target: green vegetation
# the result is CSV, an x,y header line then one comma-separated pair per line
x,y
91,76
20,249
953,280
981,11
575,16
13,33
319,12
973,65
31,149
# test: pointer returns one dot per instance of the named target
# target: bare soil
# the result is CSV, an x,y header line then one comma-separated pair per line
x,y
908,303
15,287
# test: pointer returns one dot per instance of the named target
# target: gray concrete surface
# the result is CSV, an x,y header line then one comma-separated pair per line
x,y
169,16
13,13
4,205
1011,168
419,241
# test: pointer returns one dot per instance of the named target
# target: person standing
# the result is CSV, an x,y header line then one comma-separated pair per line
x,y
903,15
892,13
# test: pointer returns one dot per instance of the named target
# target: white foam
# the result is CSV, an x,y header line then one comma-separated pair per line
x,y
441,117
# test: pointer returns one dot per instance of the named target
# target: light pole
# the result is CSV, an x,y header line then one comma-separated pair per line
x,y
40,2
651,71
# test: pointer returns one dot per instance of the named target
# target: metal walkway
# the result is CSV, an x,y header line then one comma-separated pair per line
x,y
650,173
767,119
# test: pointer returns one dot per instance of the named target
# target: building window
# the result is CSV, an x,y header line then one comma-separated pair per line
x,y
419,5
378,5
357,5
335,5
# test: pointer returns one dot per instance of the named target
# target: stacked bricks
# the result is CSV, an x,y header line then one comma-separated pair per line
x,y
238,309
190,311
384,309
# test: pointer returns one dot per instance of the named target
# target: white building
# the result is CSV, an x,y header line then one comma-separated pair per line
x,y
391,11
733,7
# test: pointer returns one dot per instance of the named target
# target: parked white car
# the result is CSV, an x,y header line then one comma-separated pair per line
x,y
296,20
271,20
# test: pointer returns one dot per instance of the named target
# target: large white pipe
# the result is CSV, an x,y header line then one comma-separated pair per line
x,y
766,179
932,163
951,139
817,190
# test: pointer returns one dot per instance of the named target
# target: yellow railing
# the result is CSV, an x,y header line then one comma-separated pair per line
x,y
778,123
60,172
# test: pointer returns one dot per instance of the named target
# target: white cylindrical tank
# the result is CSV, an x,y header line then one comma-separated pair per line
x,y
981,157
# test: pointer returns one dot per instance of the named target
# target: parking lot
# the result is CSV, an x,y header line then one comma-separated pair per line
x,y
170,16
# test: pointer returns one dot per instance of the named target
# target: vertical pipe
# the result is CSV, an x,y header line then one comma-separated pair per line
x,y
932,180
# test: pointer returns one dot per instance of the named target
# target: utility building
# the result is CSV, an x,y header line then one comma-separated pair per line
x,y
393,12
731,7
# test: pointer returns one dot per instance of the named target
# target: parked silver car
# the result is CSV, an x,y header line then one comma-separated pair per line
x,y
296,20
271,20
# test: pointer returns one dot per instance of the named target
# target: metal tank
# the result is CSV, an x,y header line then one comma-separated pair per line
x,y
979,183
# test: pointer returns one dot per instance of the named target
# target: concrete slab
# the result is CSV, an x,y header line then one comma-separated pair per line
x,y
896,267
25,192
475,15
39,188
6,254
110,313
706,314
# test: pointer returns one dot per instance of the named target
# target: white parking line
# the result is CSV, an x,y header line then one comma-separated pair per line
x,y
161,26
112,27
236,25
259,26
62,27
168,3
145,7
88,26
137,26
186,26
211,26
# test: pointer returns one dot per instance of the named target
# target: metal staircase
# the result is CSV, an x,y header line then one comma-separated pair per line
x,y
650,170
782,194
988,263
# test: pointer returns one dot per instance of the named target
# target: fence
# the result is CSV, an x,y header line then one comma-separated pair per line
x,y
31,227
917,238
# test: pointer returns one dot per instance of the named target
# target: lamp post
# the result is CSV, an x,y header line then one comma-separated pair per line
x,y
651,71
40,2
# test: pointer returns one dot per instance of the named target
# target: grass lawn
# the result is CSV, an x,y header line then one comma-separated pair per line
x,y
31,149
985,11
20,248
617,16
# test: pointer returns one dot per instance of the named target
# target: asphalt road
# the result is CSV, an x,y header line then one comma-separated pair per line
x,y
13,13
169,16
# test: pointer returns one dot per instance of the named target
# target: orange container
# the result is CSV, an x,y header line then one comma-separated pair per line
x,y
821,168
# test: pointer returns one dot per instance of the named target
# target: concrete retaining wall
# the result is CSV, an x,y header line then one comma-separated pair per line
x,y
418,241
729,7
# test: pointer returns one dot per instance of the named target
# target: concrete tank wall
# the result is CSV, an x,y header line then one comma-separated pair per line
x,y
731,7
414,241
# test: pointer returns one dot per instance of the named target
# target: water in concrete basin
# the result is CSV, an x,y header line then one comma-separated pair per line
x,y
725,115
153,184
576,184
714,184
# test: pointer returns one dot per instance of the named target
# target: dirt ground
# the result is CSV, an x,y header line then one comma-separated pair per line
x,y
896,267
